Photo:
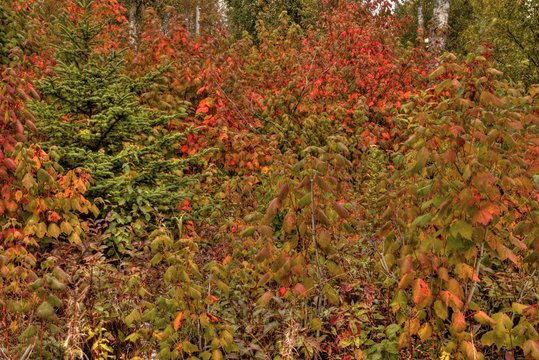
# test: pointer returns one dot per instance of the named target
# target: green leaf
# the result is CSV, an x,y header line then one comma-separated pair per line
x,y
66,228
53,230
55,301
441,310
422,220
305,200
493,337
28,333
454,243
60,274
28,181
36,284
133,317
156,259
133,337
189,347
422,157
331,294
56,284
41,230
462,228
248,232
44,177
45,310
518,308
399,301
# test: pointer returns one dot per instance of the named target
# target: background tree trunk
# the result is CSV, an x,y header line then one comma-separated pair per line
x,y
420,36
197,20
136,9
440,27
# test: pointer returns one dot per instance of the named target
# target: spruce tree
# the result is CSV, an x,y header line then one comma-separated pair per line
x,y
92,114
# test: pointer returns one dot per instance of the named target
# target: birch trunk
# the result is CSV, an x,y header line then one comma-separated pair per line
x,y
136,8
440,27
222,8
164,14
420,25
197,20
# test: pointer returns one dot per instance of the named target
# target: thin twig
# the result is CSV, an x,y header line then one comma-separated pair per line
x,y
477,268
313,239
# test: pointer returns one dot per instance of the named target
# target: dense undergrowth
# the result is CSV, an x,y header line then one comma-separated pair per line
x,y
324,193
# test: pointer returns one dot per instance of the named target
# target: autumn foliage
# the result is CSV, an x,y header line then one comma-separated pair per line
x,y
316,192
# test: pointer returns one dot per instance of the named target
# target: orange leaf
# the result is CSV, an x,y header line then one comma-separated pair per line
x,y
406,279
178,321
458,321
227,260
465,271
420,291
469,350
448,297
203,110
213,318
485,214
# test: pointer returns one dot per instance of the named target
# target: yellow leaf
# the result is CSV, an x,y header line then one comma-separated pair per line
x,y
53,230
445,355
413,326
440,309
425,332
483,318
216,354
74,238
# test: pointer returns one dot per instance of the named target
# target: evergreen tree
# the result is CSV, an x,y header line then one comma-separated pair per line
x,y
91,112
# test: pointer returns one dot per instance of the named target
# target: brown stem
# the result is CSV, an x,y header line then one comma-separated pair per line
x,y
477,268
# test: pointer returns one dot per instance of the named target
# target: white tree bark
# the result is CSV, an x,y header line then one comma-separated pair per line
x,y
163,12
440,26
420,24
136,9
221,5
197,20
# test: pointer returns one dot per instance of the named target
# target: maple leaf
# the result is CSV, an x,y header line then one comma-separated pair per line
x,y
485,214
